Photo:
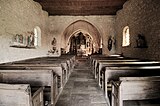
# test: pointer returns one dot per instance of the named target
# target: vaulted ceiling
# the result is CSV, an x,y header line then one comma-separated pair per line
x,y
81,7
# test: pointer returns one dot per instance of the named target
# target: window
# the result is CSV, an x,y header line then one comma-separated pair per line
x,y
126,36
37,36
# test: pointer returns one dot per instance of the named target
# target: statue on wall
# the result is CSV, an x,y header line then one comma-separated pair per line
x,y
18,38
54,42
54,48
110,41
30,40
141,41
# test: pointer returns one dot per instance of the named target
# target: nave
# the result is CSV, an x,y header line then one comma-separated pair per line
x,y
81,88
41,39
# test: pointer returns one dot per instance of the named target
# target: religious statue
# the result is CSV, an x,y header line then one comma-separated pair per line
x,y
141,41
110,43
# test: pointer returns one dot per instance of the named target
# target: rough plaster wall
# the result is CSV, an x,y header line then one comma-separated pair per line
x,y
18,17
104,24
142,17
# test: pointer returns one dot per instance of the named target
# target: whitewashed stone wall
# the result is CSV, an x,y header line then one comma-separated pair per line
x,y
104,24
142,17
18,17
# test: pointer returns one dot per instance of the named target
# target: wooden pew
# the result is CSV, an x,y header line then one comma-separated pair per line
x,y
67,61
62,64
49,62
92,57
94,60
135,88
133,63
98,63
56,69
34,77
113,73
95,57
70,59
20,95
43,62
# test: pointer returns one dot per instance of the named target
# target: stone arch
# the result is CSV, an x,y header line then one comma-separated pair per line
x,y
77,31
85,27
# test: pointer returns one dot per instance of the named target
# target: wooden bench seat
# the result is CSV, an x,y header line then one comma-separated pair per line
x,y
113,73
70,59
20,95
36,78
135,88
67,62
95,59
57,68
98,63
57,64
103,64
107,58
63,64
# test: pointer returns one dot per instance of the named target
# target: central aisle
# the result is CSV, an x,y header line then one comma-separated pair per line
x,y
81,88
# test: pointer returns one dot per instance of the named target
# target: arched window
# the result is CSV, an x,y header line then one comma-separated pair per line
x,y
126,36
37,36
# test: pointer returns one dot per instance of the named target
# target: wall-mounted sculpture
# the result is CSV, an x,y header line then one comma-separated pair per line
x,y
54,42
141,41
30,39
18,38
110,41
23,40
54,46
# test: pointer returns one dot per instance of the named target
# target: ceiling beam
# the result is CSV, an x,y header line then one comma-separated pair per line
x,y
80,8
79,3
83,12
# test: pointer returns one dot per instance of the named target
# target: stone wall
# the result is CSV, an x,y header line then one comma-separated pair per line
x,y
104,24
20,17
142,17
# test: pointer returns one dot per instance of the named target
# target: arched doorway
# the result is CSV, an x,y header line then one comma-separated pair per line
x,y
81,38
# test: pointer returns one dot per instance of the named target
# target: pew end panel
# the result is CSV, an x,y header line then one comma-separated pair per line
x,y
37,97
20,95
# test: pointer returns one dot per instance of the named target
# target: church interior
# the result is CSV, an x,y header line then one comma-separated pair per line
x,y
80,53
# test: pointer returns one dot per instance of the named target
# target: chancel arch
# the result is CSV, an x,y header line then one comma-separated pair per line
x,y
89,36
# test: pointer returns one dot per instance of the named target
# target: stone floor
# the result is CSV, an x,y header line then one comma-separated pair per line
x,y
81,88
